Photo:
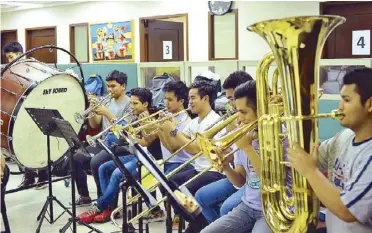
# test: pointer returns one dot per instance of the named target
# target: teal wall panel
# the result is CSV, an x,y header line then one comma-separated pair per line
x,y
104,69
328,127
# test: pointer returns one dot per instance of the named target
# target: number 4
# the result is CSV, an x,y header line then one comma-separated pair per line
x,y
361,42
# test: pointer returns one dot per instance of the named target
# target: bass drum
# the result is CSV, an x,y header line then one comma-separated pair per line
x,y
32,84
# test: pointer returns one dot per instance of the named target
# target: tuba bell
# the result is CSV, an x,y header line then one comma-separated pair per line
x,y
296,45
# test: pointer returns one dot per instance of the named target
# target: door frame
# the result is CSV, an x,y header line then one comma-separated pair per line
x,y
9,31
142,21
28,42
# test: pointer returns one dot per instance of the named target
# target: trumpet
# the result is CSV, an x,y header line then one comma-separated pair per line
x,y
91,140
89,112
149,126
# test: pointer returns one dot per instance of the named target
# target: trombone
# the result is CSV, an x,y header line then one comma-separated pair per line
x,y
91,140
89,112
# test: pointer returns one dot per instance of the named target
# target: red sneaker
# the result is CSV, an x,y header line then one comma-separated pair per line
x,y
103,217
88,216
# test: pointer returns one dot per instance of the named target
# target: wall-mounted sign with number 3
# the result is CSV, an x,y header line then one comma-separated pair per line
x,y
167,50
361,42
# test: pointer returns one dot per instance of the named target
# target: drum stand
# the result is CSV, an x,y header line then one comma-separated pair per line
x,y
43,119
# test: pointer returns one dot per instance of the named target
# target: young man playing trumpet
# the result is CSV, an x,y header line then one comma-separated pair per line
x,y
118,107
247,216
109,175
348,197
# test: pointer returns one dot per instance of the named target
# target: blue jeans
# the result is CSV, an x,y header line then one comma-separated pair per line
x,y
242,219
211,196
169,167
110,177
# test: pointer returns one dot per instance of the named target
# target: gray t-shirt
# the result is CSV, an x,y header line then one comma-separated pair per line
x,y
352,174
118,108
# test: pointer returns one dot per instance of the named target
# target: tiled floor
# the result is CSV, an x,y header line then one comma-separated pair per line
x,y
24,206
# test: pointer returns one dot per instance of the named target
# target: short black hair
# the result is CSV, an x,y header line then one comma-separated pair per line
x,y
13,47
235,79
143,94
205,88
362,78
248,90
118,76
179,89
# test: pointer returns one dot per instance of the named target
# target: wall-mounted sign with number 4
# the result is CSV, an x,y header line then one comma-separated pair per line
x,y
361,42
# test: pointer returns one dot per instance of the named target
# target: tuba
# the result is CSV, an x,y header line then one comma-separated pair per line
x,y
296,45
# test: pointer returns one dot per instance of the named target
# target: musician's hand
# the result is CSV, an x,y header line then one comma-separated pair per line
x,y
102,111
221,155
246,140
167,126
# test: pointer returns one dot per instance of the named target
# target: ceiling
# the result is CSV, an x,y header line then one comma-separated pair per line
x,y
9,6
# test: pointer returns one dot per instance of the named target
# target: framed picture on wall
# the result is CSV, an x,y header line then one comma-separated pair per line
x,y
331,77
112,41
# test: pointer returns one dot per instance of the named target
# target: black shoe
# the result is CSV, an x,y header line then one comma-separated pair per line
x,y
82,202
26,182
40,185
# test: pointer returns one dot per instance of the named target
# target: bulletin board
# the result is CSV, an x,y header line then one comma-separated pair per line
x,y
112,41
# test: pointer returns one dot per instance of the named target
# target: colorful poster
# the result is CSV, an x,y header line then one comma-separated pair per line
x,y
112,41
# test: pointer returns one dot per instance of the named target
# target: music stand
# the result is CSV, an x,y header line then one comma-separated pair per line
x,y
68,133
43,119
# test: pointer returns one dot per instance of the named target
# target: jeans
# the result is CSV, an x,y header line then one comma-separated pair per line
x,y
110,177
211,196
83,163
242,219
169,167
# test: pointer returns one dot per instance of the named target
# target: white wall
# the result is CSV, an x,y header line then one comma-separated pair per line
x,y
251,46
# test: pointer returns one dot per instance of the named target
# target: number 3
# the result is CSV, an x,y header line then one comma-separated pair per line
x,y
361,42
167,49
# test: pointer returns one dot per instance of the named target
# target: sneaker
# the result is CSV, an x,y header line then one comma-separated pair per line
x,y
82,202
155,216
26,182
88,216
103,217
176,222
40,185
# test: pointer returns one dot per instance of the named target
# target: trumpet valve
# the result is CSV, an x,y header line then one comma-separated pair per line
x,y
91,141
188,203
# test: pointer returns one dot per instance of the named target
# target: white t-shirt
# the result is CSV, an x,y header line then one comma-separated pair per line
x,y
182,156
199,127
352,174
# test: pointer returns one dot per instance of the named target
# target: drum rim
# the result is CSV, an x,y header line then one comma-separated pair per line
x,y
18,106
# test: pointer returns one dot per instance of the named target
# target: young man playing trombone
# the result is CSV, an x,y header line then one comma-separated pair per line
x,y
118,107
109,175
247,216
201,97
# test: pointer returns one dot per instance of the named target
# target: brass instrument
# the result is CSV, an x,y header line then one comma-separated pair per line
x,y
92,139
95,102
207,134
296,44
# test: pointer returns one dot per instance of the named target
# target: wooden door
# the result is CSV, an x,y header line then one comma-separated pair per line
x,y
358,17
40,37
172,34
6,37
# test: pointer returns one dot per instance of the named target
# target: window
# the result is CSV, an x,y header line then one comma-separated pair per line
x,y
79,42
223,36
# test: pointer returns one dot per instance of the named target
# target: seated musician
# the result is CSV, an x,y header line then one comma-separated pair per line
x,y
176,100
201,98
12,50
348,198
247,216
119,106
109,175
220,197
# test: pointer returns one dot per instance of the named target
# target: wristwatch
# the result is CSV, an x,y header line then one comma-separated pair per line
x,y
173,133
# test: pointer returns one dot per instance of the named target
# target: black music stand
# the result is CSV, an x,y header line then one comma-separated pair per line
x,y
68,133
43,119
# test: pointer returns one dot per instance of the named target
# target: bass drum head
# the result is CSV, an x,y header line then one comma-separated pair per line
x,y
61,92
